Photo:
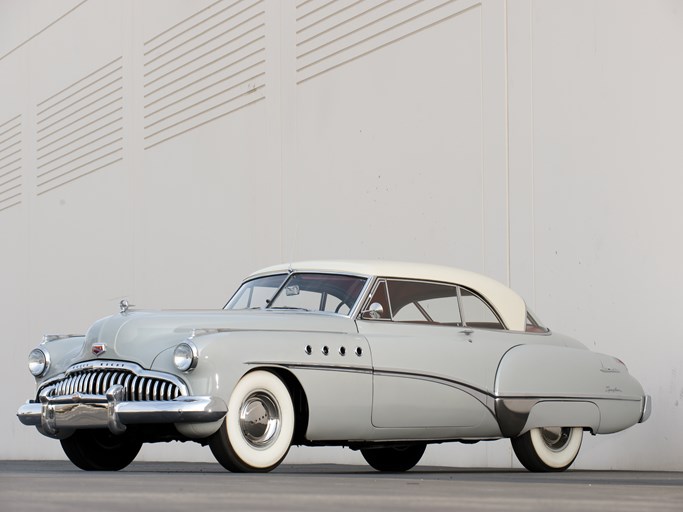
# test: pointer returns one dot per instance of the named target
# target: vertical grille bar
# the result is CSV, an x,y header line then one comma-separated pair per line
x,y
97,381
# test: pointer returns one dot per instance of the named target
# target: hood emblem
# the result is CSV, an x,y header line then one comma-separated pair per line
x,y
124,306
99,348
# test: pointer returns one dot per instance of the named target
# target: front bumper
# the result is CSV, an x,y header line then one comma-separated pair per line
x,y
63,414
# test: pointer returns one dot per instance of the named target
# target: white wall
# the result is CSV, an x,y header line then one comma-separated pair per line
x,y
537,142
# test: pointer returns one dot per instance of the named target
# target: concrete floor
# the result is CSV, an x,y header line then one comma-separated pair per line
x,y
146,486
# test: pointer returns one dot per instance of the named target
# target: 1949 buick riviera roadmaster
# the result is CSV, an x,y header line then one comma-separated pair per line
x,y
377,356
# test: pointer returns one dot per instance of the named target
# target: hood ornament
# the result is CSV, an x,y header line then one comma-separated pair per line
x,y
124,306
99,348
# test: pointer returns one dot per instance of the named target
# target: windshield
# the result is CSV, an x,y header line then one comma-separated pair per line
x,y
256,293
319,292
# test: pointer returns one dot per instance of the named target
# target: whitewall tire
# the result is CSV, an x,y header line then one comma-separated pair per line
x,y
548,449
258,428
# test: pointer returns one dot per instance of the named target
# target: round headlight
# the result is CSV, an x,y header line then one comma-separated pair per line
x,y
185,357
38,362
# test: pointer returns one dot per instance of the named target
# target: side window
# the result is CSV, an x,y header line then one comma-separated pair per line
x,y
477,313
379,296
415,301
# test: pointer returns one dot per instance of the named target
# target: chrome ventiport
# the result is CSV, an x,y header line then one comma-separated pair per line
x,y
342,351
308,350
359,351
325,350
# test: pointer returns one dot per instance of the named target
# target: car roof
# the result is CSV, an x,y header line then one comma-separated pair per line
x,y
509,305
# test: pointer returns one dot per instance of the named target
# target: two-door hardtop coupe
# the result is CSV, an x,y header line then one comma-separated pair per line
x,y
378,356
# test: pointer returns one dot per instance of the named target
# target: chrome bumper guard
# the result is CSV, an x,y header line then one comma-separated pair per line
x,y
647,409
57,414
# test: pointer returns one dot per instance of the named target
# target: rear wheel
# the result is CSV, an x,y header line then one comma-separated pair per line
x,y
100,450
549,448
394,458
258,429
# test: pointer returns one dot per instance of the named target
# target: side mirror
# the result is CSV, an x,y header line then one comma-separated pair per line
x,y
374,312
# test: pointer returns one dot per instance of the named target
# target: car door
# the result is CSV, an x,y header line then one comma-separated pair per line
x,y
430,369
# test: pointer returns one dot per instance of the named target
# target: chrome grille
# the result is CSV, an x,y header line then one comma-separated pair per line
x,y
96,381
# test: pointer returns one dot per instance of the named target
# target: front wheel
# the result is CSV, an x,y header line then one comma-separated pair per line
x,y
394,458
258,429
100,450
549,448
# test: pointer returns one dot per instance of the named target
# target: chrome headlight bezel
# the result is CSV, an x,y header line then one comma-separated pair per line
x,y
38,362
185,356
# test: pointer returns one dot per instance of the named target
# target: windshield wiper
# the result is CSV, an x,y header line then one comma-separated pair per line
x,y
289,308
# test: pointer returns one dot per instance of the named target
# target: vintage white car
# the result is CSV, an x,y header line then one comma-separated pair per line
x,y
381,357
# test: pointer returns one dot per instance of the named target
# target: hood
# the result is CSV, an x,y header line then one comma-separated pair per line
x,y
139,336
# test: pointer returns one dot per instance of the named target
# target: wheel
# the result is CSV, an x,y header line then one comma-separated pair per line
x,y
258,429
100,450
549,448
394,458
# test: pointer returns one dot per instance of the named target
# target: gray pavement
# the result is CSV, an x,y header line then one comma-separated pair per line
x,y
146,486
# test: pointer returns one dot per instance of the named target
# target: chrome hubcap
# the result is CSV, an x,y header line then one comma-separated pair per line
x,y
556,438
260,419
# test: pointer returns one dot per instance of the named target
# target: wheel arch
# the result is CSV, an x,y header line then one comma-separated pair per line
x,y
299,399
